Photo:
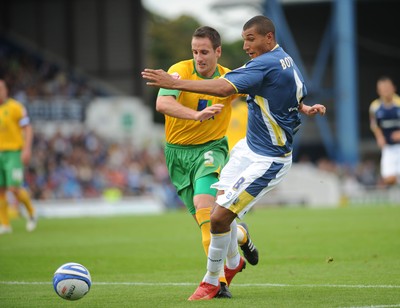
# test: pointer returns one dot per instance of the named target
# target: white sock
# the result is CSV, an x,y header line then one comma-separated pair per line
x,y
233,256
216,256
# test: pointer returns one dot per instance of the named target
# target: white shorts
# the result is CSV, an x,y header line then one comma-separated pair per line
x,y
247,177
390,161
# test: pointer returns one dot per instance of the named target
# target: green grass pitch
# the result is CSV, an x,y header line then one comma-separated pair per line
x,y
343,257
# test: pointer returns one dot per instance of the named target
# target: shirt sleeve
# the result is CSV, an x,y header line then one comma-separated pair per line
x,y
24,119
248,78
168,92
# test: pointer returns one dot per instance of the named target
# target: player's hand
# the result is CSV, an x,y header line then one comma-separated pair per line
x,y
25,156
316,109
395,136
158,78
209,112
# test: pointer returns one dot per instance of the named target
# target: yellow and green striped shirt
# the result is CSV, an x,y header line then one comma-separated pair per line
x,y
189,132
13,117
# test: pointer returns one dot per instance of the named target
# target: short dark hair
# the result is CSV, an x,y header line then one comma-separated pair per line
x,y
263,24
385,78
210,33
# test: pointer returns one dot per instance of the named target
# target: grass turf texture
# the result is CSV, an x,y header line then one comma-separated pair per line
x,y
344,257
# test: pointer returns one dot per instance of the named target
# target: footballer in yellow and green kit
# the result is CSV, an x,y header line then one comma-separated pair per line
x,y
195,149
15,151
13,117
197,146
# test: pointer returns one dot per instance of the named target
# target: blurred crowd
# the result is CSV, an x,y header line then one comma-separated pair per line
x,y
83,165
354,181
30,76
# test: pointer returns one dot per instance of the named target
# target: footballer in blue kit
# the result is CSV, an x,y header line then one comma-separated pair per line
x,y
385,124
259,162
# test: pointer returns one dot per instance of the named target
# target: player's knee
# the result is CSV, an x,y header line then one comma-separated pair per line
x,y
14,190
219,224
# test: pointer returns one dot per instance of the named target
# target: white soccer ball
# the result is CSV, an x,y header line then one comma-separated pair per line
x,y
72,281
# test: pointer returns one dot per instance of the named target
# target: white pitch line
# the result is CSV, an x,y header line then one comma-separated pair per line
x,y
265,285
377,306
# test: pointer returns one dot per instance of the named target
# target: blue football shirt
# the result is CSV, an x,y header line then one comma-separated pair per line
x,y
388,119
275,88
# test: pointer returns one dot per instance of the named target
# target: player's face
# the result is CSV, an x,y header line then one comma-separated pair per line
x,y
385,89
256,44
205,57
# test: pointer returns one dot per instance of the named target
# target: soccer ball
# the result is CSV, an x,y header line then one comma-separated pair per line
x,y
72,281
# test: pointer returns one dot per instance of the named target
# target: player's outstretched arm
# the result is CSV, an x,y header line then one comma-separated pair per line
x,y
217,87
